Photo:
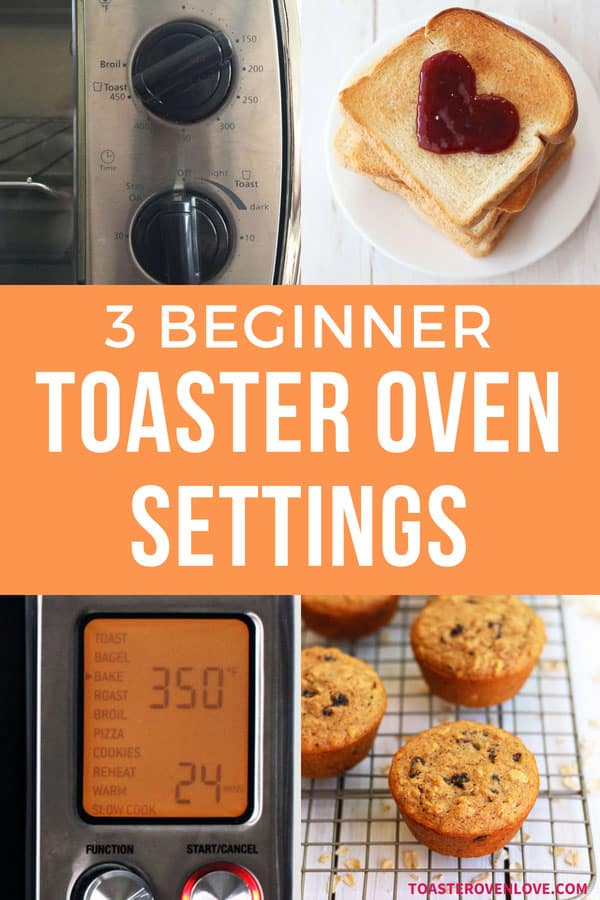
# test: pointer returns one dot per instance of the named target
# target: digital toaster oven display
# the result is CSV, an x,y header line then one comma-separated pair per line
x,y
167,719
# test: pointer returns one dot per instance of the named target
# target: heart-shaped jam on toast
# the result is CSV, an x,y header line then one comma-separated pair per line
x,y
453,118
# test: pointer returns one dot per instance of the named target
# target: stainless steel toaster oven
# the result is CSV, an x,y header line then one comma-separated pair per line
x,y
149,142
152,745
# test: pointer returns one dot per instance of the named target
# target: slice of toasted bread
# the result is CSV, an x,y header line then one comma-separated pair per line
x,y
383,106
354,153
476,244
555,161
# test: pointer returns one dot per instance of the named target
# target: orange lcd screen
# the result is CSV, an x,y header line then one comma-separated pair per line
x,y
167,718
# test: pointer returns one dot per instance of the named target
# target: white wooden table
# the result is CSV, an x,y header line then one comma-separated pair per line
x,y
334,34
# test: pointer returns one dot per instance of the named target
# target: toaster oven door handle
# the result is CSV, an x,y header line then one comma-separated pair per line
x,y
36,187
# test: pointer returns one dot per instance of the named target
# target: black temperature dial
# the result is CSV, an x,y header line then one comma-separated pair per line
x,y
181,237
183,71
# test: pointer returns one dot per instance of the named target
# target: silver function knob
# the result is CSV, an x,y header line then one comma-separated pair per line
x,y
225,882
117,884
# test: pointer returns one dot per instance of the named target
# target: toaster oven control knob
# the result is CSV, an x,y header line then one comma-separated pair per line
x,y
222,881
112,882
181,237
183,71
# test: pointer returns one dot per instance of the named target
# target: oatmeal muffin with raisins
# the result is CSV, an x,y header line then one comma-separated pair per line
x,y
464,789
477,650
347,616
343,702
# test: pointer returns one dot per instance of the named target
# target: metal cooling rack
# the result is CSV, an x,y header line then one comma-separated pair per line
x,y
355,844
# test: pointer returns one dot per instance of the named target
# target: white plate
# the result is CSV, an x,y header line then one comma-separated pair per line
x,y
396,230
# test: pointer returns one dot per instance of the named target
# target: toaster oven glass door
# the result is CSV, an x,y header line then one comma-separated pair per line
x,y
36,142
167,719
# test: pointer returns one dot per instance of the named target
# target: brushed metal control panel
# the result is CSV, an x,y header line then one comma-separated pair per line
x,y
166,855
237,157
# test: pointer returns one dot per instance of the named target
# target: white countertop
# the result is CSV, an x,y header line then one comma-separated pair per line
x,y
334,34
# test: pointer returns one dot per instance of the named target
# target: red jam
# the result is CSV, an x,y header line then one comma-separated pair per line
x,y
453,118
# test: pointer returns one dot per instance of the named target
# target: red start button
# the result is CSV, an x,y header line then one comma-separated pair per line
x,y
222,881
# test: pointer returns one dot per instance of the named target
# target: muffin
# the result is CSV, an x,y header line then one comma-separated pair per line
x,y
477,650
464,789
347,616
343,702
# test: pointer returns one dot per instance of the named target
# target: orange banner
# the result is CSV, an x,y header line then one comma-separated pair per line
x,y
273,440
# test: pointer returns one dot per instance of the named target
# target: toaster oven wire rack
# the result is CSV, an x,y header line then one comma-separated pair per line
x,y
355,844
34,150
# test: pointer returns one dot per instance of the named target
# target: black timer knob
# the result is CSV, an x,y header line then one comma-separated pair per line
x,y
181,237
183,71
